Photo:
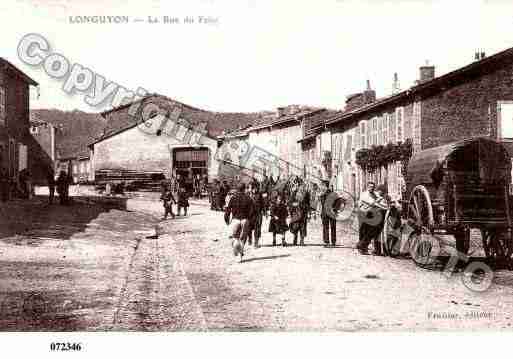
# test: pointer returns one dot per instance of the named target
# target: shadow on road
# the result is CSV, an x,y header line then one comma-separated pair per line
x,y
265,258
37,219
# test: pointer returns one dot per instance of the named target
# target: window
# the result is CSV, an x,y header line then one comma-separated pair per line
x,y
380,131
363,134
386,119
506,120
349,144
391,128
399,124
375,131
2,105
369,133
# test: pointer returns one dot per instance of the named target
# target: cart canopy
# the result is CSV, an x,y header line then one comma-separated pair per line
x,y
481,159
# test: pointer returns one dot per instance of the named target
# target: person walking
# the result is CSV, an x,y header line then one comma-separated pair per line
x,y
63,187
50,178
329,222
278,222
299,212
169,199
223,192
183,201
237,215
257,217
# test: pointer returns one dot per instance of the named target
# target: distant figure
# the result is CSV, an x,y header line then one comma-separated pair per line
x,y
50,178
4,184
278,222
214,194
25,182
329,224
196,186
63,187
169,199
183,201
257,216
221,200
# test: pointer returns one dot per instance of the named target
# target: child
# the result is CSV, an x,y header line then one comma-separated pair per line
x,y
183,201
296,220
167,197
278,222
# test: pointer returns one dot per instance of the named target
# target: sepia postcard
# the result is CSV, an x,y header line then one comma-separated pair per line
x,y
268,167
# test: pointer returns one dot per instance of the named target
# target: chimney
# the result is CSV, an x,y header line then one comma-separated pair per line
x,y
293,109
395,85
427,73
369,95
280,111
483,55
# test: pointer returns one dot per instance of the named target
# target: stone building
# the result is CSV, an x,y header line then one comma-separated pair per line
x,y
271,145
18,148
45,135
163,136
475,100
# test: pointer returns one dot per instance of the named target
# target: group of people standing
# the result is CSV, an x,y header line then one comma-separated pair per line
x,y
373,204
175,192
289,206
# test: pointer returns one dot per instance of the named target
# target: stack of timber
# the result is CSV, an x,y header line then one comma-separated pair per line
x,y
133,180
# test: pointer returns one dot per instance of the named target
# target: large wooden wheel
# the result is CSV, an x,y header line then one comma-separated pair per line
x,y
423,246
497,246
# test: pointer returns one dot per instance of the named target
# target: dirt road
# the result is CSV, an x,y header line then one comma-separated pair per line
x,y
81,268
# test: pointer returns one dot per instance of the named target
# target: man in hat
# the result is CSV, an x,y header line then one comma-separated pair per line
x,y
240,209
369,217
329,222
257,217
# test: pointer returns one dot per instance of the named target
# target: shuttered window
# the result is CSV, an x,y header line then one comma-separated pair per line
x,y
2,106
399,124
363,134
375,131
392,136
380,131
386,119
349,145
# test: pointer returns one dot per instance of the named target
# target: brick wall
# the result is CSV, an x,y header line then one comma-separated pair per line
x,y
466,110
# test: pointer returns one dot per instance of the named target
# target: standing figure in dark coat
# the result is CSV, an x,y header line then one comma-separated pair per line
x,y
4,184
169,199
278,222
300,206
329,223
223,192
51,186
183,201
63,182
257,216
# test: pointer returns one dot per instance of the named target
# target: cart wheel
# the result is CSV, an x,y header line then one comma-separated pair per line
x,y
420,210
423,246
497,246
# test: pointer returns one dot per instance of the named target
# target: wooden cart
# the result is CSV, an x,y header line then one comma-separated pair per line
x,y
450,190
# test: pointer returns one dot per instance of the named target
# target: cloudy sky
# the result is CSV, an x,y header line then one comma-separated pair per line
x,y
259,54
